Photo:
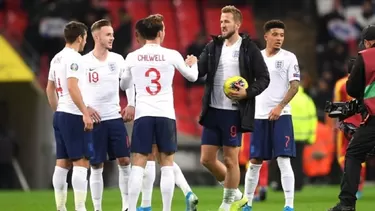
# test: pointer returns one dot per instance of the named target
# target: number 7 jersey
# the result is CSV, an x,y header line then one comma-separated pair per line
x,y
151,70
66,64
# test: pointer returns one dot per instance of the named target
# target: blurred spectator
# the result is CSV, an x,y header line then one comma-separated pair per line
x,y
320,95
366,17
323,35
95,12
123,36
2,4
196,49
98,10
334,63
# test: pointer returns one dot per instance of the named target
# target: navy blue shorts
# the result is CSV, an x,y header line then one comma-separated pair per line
x,y
154,130
72,142
110,138
272,139
220,128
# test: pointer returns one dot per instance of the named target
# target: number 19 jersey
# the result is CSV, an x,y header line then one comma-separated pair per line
x,y
102,81
152,70
66,64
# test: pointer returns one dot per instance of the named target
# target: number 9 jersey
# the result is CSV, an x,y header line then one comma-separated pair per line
x,y
151,70
66,64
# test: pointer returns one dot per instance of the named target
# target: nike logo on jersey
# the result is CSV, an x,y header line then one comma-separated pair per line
x,y
92,69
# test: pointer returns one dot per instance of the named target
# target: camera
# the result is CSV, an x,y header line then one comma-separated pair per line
x,y
342,110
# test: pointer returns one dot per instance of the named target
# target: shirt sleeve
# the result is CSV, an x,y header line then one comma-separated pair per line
x,y
74,68
130,95
190,73
355,85
51,75
122,63
293,70
126,76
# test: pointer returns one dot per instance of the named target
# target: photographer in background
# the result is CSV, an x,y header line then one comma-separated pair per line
x,y
360,85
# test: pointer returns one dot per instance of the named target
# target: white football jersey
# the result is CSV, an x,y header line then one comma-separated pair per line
x,y
151,69
102,81
283,68
228,67
66,64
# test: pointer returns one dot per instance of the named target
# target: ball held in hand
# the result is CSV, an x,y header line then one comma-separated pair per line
x,y
232,83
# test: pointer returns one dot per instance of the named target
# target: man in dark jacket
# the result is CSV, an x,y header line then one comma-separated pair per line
x,y
360,85
224,118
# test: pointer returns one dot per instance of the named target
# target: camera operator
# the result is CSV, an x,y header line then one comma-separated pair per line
x,y
360,85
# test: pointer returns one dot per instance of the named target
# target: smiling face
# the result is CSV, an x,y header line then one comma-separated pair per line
x,y
105,37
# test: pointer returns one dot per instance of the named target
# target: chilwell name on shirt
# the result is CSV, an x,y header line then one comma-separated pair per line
x,y
151,58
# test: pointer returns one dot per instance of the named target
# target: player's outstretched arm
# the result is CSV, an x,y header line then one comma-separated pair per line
x,y
190,73
130,95
203,61
51,95
260,72
126,76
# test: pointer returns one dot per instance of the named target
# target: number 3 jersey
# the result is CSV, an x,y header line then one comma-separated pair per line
x,y
102,81
151,69
66,64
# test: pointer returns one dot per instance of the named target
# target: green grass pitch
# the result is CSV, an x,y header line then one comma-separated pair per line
x,y
310,199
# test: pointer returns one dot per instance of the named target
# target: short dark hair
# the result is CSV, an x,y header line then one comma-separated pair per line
x,y
73,30
140,26
152,25
99,24
272,24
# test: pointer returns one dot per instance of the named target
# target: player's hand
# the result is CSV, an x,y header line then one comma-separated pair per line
x,y
275,113
128,113
94,115
238,95
190,60
87,120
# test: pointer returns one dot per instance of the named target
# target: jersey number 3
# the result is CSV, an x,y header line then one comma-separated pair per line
x,y
154,81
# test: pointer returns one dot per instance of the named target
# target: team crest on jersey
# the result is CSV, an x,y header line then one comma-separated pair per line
x,y
112,66
279,64
236,54
74,67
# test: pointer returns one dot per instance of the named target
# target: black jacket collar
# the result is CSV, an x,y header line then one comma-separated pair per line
x,y
219,38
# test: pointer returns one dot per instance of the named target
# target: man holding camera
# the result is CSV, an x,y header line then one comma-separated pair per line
x,y
360,85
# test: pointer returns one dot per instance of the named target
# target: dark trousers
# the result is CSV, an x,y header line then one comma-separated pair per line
x,y
362,143
297,165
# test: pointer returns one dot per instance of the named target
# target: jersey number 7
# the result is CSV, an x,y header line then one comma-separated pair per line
x,y
154,80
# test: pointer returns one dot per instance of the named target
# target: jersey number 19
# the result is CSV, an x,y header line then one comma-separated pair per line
x,y
93,77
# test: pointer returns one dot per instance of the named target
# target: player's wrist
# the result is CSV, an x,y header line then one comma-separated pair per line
x,y
281,106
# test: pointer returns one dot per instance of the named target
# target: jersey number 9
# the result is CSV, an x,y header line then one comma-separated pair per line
x,y
154,80
93,77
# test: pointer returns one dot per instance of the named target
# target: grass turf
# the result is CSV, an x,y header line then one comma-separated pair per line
x,y
316,198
